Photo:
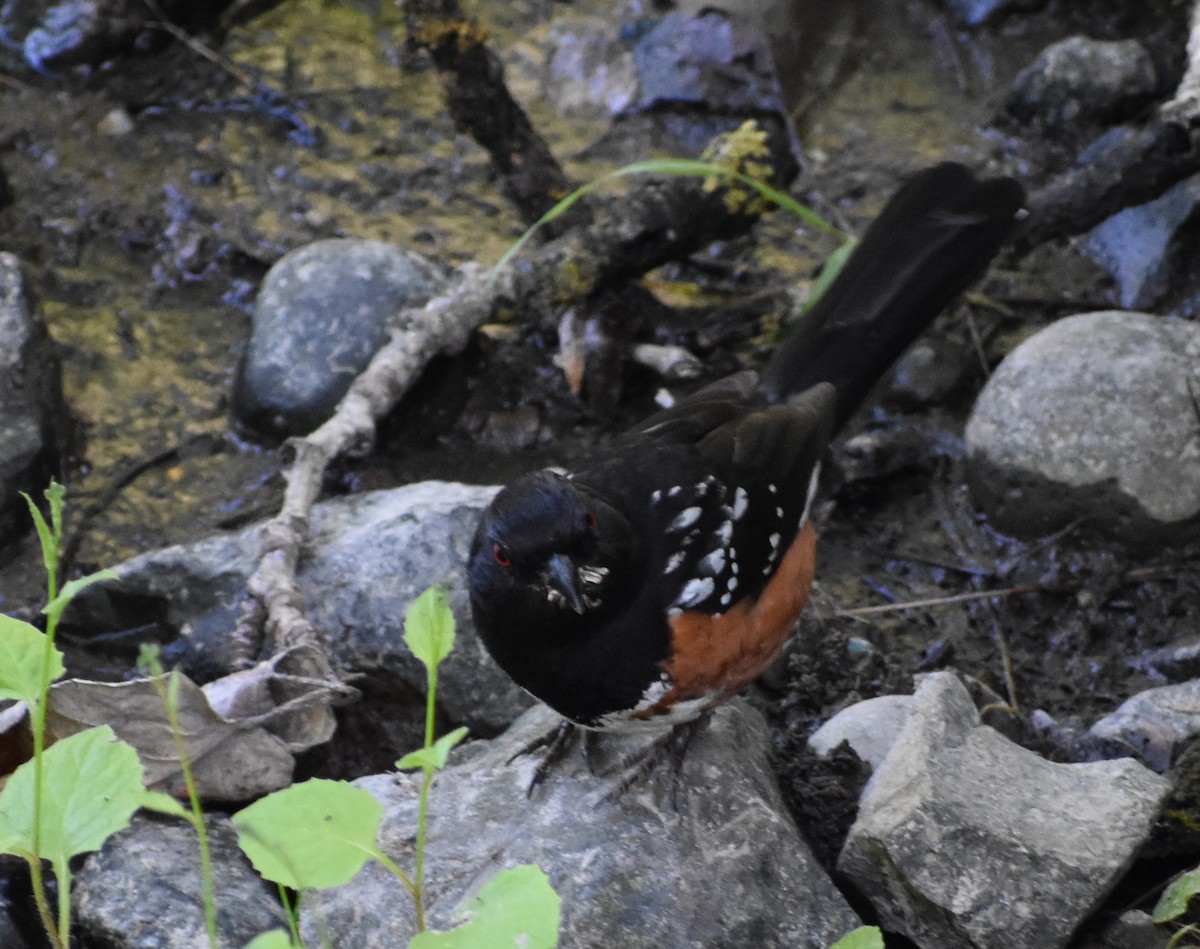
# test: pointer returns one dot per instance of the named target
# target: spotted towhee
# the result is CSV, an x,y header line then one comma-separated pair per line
x,y
650,585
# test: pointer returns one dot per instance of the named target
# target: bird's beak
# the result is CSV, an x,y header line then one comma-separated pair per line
x,y
563,577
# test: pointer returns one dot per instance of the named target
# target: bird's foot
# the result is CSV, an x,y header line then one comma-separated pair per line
x,y
556,742
671,747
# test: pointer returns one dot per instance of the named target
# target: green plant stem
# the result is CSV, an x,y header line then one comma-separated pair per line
x,y
389,864
292,911
423,802
59,935
62,874
37,880
197,820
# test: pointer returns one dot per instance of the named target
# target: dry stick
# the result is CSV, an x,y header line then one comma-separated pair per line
x,y
442,326
935,601
479,101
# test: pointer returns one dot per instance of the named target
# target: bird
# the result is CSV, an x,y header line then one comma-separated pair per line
x,y
657,580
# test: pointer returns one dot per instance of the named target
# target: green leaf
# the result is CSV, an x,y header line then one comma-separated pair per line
x,y
91,785
22,651
316,834
56,497
429,628
275,939
1174,901
516,907
45,535
70,590
434,756
164,804
865,937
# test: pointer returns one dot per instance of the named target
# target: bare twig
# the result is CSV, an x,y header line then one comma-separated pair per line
x,y
861,611
482,107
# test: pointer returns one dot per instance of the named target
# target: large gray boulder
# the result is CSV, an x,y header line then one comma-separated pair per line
x,y
143,889
1093,418
717,864
964,839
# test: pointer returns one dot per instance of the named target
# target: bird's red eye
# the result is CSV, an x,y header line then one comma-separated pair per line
x,y
501,555
589,521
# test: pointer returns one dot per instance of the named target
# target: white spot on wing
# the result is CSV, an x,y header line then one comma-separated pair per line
x,y
674,561
684,519
656,497
740,501
726,599
591,575
812,492
695,592
713,563
674,491
724,533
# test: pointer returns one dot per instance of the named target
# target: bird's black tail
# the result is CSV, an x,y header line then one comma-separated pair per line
x,y
932,240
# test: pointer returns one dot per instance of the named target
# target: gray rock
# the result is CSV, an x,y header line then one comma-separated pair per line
x,y
143,889
1135,245
589,71
1134,929
725,867
322,312
33,415
871,727
371,555
1080,79
1156,723
964,839
1093,418
931,371
58,36
10,936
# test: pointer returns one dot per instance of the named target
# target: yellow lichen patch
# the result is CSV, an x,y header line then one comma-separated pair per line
x,y
743,150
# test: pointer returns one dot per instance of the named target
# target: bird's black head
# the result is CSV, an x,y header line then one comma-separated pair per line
x,y
548,555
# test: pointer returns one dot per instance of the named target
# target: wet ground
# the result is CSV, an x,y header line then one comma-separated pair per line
x,y
147,246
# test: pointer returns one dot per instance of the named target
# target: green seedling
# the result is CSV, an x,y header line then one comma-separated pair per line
x,y
1174,903
320,833
68,799
167,687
